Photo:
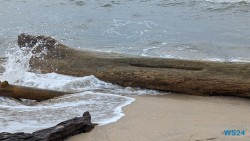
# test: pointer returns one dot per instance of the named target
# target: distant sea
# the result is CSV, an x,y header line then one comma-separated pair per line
x,y
188,29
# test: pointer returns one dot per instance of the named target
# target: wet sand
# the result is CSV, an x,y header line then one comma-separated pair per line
x,y
176,117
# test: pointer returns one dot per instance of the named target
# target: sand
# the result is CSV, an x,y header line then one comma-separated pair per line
x,y
176,117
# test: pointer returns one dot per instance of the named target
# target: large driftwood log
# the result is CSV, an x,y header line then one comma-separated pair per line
x,y
59,132
15,91
182,76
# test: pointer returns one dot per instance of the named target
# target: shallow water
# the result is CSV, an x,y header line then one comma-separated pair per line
x,y
197,29
104,108
103,100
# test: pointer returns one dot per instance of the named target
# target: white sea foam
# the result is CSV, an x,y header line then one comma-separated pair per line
x,y
103,100
16,65
104,108
240,59
120,28
180,51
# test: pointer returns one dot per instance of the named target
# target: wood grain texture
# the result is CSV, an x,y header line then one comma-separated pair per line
x,y
59,132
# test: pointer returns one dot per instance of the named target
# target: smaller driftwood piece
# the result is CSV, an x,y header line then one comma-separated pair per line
x,y
8,90
59,132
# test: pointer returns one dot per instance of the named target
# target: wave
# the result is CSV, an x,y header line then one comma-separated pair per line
x,y
103,100
104,108
209,5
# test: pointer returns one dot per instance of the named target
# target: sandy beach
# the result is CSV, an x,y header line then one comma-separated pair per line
x,y
176,117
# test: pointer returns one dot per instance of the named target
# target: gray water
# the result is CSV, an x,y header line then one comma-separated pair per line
x,y
187,29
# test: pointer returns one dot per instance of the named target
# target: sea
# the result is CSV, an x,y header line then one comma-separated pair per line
x,y
213,30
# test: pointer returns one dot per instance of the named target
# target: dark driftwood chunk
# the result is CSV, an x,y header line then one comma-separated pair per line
x,y
181,76
59,132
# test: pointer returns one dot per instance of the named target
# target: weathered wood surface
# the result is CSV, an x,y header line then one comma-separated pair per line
x,y
181,76
59,132
15,91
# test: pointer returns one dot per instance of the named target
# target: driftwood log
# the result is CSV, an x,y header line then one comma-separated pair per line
x,y
181,76
59,132
15,91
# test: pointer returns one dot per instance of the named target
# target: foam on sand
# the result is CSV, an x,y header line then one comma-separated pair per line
x,y
103,100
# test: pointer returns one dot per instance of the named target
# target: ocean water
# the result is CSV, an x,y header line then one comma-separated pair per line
x,y
216,30
103,100
188,29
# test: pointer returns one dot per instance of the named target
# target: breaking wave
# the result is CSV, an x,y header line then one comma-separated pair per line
x,y
103,100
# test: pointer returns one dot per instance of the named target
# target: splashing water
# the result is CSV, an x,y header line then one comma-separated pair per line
x,y
103,100
16,65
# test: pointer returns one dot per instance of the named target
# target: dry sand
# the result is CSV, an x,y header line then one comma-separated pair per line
x,y
176,117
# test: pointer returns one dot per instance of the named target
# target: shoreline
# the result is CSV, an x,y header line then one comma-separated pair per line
x,y
176,117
